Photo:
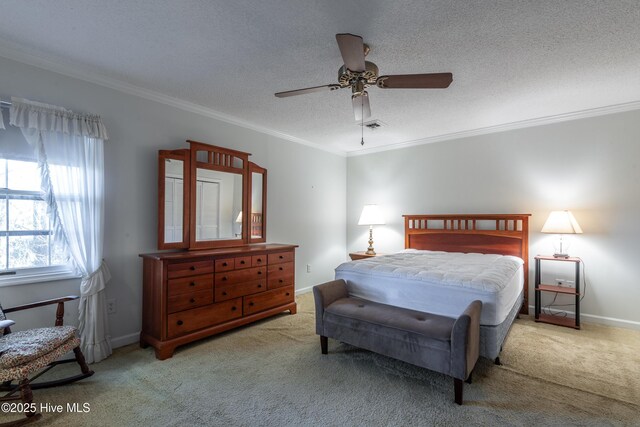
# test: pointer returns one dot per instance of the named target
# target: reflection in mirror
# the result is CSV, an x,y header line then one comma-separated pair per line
x,y
256,205
173,200
218,204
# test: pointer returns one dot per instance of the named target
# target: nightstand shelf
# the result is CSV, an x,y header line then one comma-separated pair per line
x,y
559,289
570,322
362,255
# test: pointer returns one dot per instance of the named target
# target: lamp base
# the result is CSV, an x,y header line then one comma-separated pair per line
x,y
370,250
557,255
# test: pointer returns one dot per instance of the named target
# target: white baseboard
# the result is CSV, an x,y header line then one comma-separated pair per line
x,y
125,340
601,320
304,290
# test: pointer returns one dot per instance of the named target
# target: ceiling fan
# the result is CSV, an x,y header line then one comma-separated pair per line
x,y
358,74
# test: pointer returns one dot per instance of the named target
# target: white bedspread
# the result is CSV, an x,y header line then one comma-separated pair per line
x,y
438,282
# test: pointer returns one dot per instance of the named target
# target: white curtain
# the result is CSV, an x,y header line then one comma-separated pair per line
x,y
70,157
1,119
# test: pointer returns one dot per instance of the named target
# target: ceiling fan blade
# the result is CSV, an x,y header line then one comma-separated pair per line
x,y
361,107
308,90
352,51
415,81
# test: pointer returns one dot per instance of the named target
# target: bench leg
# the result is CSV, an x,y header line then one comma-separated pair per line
x,y
497,361
324,344
457,386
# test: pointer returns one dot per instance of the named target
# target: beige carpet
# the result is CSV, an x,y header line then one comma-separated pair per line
x,y
272,373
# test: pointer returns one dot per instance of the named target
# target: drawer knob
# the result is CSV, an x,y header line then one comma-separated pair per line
x,y
260,285
193,267
259,272
224,264
224,278
192,283
287,294
251,304
259,260
179,322
242,262
233,308
224,294
281,281
281,269
192,300
281,257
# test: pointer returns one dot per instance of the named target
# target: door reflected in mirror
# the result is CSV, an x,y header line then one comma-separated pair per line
x,y
173,200
256,205
218,205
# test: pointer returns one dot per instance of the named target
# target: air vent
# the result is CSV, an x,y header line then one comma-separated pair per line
x,y
373,124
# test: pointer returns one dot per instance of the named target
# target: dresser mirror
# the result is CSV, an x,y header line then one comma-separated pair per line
x,y
258,203
173,199
202,194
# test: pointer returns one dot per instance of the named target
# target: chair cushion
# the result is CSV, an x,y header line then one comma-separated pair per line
x,y
21,372
22,347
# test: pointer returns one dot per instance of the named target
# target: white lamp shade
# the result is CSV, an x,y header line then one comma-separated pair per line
x,y
371,215
561,222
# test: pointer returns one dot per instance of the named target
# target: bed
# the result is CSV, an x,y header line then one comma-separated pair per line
x,y
449,261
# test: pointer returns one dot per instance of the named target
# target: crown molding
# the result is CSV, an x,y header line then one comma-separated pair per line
x,y
15,52
583,114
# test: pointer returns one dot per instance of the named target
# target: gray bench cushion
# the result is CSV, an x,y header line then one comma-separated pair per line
x,y
424,329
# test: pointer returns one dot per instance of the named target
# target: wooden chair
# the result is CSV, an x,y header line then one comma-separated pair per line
x,y
26,355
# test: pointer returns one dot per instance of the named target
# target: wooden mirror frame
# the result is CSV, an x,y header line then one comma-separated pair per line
x,y
253,168
184,156
218,159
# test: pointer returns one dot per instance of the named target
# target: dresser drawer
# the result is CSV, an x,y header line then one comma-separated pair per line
x,y
197,318
192,268
239,276
280,257
225,292
258,260
265,300
225,264
190,284
189,300
243,262
279,282
280,270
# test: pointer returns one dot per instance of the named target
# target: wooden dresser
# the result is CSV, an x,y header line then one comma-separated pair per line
x,y
194,294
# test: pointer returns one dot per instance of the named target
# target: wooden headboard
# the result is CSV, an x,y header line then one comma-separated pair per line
x,y
504,234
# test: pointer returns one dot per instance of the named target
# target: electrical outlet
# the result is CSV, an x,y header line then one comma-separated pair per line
x,y
111,306
308,268
565,283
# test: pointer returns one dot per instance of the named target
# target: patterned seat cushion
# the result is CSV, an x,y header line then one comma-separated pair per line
x,y
20,348
21,372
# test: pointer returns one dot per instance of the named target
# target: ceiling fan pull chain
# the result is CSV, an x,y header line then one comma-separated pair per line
x,y
362,120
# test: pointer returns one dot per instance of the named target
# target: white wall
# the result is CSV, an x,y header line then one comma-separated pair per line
x,y
306,189
589,166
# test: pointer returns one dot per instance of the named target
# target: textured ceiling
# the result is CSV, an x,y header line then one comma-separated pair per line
x,y
511,60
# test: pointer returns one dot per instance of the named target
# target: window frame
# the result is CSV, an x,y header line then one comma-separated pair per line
x,y
24,275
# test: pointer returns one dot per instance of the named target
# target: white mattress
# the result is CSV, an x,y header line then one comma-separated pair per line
x,y
438,282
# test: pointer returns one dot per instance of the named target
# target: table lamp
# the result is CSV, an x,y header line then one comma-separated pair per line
x,y
561,223
371,215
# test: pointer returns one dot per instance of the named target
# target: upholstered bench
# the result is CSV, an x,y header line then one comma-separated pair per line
x,y
442,344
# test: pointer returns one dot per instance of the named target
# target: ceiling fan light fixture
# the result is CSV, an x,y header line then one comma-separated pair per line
x,y
359,74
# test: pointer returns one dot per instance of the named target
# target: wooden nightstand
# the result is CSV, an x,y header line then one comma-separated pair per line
x,y
540,287
361,255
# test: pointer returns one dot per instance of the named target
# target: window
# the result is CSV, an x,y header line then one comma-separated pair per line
x,y
27,247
